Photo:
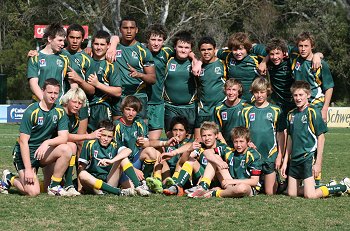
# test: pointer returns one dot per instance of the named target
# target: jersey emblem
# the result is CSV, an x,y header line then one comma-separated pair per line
x,y
188,67
251,116
297,66
231,162
135,134
232,62
59,63
292,120
134,55
100,71
172,67
204,161
161,57
242,163
218,71
285,68
95,153
110,155
42,63
40,120
304,119
269,116
119,53
54,119
224,115
202,72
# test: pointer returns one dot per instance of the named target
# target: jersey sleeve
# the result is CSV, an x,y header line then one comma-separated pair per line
x,y
85,153
32,68
223,53
147,59
27,122
217,118
63,120
169,52
254,165
317,122
259,50
327,79
114,78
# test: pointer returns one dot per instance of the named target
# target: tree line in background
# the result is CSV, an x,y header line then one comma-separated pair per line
x,y
328,20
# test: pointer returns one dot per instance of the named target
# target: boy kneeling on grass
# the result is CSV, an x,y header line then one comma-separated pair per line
x,y
306,129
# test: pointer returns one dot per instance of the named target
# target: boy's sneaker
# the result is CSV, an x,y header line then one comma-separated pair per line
x,y
71,191
5,177
56,191
193,189
332,182
346,182
200,192
154,184
128,192
174,190
3,187
143,189
169,182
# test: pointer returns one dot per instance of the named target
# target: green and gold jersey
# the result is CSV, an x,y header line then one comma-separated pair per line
x,y
180,85
127,135
137,56
320,80
46,66
155,91
108,74
172,162
221,150
92,152
245,70
41,125
244,165
263,123
304,127
210,87
228,118
73,123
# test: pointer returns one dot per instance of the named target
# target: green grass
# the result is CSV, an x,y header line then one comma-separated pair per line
x,y
172,213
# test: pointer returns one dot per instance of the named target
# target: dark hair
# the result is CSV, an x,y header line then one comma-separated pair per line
x,y
206,40
184,36
179,120
76,27
300,84
107,124
101,34
53,30
127,18
131,101
278,44
52,82
239,39
156,29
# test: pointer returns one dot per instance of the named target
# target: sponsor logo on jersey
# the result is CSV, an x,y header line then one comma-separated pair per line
x,y
95,153
172,67
134,55
218,70
204,161
231,162
297,66
242,164
119,53
232,62
100,71
40,120
135,134
252,116
269,116
285,68
59,63
54,119
110,155
224,115
304,119
42,63
292,119
202,72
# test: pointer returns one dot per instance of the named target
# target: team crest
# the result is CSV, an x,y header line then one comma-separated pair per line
x,y
304,119
232,62
292,120
42,63
77,61
59,63
242,163
224,115
231,162
204,161
134,55
135,134
285,68
297,66
119,53
100,71
269,116
189,68
172,67
202,72
110,155
218,71
54,119
40,120
251,116
95,153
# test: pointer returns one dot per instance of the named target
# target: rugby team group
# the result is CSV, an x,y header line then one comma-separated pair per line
x,y
239,121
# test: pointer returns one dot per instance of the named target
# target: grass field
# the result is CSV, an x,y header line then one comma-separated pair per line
x,y
174,213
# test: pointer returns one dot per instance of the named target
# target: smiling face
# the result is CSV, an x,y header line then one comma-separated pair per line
x,y
209,138
207,52
239,53
183,49
276,56
232,93
57,43
99,48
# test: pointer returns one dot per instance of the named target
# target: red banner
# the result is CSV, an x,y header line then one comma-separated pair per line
x,y
39,30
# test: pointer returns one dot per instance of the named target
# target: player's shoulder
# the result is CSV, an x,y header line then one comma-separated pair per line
x,y
253,154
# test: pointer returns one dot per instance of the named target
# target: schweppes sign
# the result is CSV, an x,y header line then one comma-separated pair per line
x,y
338,117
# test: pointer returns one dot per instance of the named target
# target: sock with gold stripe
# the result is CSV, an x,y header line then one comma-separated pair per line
x,y
130,172
68,175
100,185
185,174
205,183
147,167
55,181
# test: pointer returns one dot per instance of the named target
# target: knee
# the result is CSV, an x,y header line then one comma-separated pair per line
x,y
33,191
149,153
82,175
65,150
242,189
73,147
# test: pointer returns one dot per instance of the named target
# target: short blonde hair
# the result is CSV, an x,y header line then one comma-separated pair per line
x,y
231,82
261,84
76,93
209,125
240,132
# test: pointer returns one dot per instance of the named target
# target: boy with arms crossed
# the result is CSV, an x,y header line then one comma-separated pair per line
x,y
306,138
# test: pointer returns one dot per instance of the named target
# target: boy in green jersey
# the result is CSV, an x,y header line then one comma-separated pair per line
x,y
37,147
104,76
210,82
238,171
228,114
305,143
320,80
180,88
102,161
49,63
241,65
266,129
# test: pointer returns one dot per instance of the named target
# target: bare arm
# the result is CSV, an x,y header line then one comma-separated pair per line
x,y
81,137
25,154
316,169
110,90
34,86
280,143
327,100
112,50
286,157
252,181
